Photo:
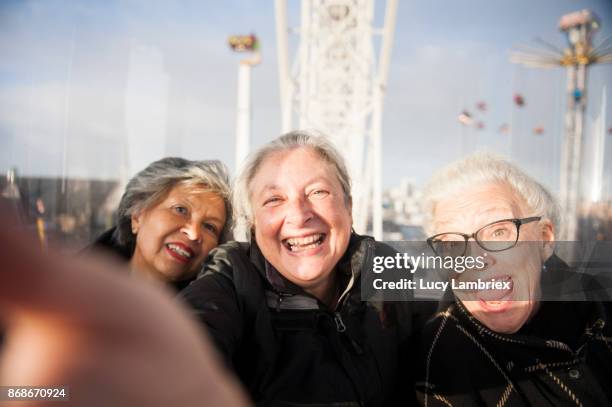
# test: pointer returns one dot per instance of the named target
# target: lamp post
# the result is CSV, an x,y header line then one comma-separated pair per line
x,y
248,44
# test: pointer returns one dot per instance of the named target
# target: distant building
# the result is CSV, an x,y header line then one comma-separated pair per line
x,y
402,216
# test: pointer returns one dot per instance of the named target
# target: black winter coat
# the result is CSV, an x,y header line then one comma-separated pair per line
x,y
287,348
561,357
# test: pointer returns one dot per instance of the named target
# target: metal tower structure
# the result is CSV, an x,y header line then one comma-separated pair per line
x,y
336,85
576,58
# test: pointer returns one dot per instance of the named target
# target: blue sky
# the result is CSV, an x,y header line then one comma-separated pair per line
x,y
99,89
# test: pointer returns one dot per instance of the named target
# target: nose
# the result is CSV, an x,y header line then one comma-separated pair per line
x,y
475,250
299,212
193,231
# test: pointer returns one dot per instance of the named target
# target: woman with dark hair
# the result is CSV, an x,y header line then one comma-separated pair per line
x,y
170,216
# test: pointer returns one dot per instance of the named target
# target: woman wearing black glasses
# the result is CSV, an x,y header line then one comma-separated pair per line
x,y
519,341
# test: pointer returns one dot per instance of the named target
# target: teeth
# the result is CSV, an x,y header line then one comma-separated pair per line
x,y
179,250
303,241
300,248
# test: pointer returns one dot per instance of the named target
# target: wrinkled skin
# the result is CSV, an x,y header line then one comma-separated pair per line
x,y
189,216
476,207
297,197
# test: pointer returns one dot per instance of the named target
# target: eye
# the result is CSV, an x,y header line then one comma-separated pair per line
x,y
211,227
500,233
272,201
180,210
319,193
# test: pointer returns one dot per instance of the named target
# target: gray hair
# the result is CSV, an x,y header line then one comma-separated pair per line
x,y
152,184
243,211
483,168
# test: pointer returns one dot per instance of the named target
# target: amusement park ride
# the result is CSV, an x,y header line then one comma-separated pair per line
x,y
576,58
337,84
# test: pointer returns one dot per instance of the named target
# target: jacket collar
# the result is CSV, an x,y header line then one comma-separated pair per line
x,y
592,315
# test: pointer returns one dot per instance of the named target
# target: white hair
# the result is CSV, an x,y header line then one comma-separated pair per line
x,y
243,211
485,168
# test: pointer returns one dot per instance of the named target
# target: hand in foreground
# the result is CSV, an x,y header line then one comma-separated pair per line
x,y
112,340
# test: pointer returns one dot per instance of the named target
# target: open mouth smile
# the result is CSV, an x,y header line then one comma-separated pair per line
x,y
300,244
180,252
497,300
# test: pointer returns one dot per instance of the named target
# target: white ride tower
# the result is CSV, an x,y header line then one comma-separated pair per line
x,y
336,86
579,27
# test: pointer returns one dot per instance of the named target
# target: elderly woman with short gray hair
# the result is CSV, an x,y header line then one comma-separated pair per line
x,y
285,309
506,345
170,216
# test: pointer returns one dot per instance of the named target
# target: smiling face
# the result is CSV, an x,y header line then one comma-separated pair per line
x,y
301,218
174,236
504,311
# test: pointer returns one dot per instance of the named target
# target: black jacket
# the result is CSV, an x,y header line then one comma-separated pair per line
x,y
286,347
561,357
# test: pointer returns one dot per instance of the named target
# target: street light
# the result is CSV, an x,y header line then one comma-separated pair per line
x,y
244,44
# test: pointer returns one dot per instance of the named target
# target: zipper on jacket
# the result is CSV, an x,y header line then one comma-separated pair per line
x,y
279,299
340,327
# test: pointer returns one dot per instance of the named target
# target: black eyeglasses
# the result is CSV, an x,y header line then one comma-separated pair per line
x,y
495,237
